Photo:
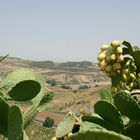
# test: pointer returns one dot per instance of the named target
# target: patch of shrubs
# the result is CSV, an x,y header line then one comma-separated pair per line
x,y
66,86
48,122
84,87
52,82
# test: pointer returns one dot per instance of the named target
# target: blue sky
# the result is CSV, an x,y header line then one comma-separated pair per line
x,y
65,30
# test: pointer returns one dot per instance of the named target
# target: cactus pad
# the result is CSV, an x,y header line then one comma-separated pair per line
x,y
98,134
3,116
97,120
127,105
106,95
65,126
109,113
15,123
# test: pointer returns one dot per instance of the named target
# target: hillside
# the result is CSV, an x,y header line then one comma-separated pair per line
x,y
75,84
84,71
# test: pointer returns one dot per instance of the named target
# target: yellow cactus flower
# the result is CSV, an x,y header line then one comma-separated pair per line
x,y
132,76
54,138
126,71
124,77
114,89
108,68
101,56
120,58
113,57
107,58
104,47
115,43
119,50
82,111
116,66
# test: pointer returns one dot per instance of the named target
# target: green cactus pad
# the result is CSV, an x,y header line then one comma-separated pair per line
x,y
136,56
106,95
85,126
19,79
29,115
98,134
109,113
3,116
15,123
133,131
97,120
46,99
25,90
129,47
65,126
38,98
127,105
138,80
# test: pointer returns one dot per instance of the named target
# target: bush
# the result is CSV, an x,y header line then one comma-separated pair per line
x,y
49,122
52,82
84,87
66,86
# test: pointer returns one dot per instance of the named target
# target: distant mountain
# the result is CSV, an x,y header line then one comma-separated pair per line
x,y
70,66
11,63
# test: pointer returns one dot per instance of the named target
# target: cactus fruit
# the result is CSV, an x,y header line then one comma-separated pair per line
x,y
104,47
113,57
82,111
110,60
114,89
101,56
120,58
53,138
115,43
119,50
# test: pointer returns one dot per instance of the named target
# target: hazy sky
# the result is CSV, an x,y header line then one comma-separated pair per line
x,y
65,30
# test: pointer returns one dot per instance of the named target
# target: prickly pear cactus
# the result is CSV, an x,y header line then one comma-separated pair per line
x,y
106,95
98,134
109,113
120,61
65,126
117,115
127,105
4,107
15,123
21,85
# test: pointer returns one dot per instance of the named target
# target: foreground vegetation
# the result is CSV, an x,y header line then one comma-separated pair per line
x,y
20,86
117,115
